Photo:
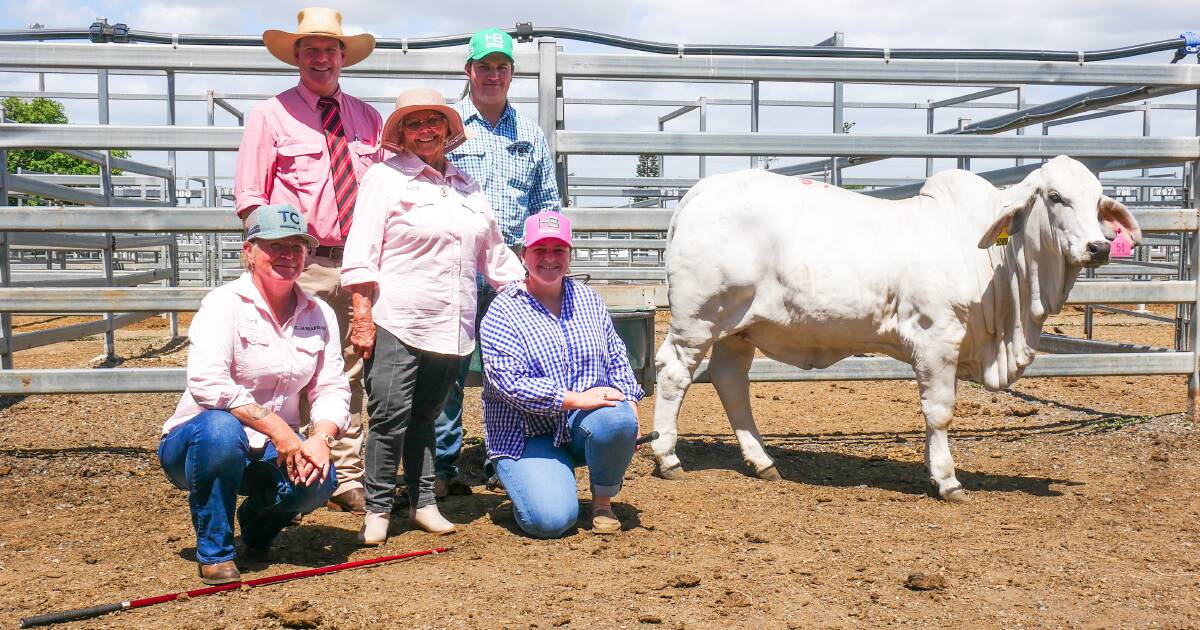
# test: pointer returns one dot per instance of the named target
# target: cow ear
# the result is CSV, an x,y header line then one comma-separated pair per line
x,y
1113,213
1011,207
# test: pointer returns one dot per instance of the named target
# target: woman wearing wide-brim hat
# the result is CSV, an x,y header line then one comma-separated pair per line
x,y
421,232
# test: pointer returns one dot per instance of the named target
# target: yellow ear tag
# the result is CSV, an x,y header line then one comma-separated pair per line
x,y
1002,238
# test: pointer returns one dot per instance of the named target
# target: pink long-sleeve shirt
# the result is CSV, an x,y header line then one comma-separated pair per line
x,y
240,355
283,157
419,238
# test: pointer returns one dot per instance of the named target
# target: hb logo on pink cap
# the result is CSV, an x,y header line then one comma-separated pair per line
x,y
545,226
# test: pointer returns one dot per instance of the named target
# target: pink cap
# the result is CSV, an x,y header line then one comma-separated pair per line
x,y
547,225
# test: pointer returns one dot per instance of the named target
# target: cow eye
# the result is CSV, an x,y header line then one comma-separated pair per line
x,y
1055,198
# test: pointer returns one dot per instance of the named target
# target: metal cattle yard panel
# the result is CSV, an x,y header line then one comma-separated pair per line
x,y
550,67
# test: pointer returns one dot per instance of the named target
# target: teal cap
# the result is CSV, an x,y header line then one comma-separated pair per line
x,y
278,221
488,41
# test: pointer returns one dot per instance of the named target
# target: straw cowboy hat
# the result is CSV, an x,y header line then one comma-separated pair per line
x,y
316,21
416,100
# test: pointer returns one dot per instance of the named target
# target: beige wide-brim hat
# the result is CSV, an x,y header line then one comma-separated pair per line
x,y
318,21
414,101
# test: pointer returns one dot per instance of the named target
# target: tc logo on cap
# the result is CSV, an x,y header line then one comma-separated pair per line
x,y
287,216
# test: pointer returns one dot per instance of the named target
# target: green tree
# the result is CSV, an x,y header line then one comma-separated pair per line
x,y
49,112
647,166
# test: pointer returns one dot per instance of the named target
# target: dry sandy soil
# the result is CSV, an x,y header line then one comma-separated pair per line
x,y
1083,514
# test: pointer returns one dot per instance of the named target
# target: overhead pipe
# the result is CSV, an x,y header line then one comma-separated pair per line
x,y
101,31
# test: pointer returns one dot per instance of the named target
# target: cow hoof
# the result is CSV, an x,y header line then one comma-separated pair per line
x,y
770,473
957,495
673,473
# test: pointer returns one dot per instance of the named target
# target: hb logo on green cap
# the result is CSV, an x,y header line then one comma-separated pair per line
x,y
488,41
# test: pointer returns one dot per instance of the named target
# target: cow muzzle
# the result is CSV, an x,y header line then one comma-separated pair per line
x,y
1096,253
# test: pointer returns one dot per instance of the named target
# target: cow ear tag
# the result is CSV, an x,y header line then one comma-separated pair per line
x,y
1002,238
1122,247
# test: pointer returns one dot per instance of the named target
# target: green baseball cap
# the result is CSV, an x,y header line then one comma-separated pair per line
x,y
277,221
488,41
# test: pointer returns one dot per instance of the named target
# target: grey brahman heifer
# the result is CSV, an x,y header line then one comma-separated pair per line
x,y
810,274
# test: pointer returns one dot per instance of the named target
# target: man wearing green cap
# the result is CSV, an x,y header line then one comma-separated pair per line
x,y
507,154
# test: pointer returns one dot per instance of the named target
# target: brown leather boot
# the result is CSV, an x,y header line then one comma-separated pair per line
x,y
219,573
353,501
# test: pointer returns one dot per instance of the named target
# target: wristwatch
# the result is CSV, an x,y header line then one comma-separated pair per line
x,y
329,439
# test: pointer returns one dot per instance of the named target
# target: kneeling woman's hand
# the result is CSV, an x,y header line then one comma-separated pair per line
x,y
593,398
315,454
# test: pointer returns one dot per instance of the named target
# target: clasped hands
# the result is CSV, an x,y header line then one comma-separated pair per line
x,y
305,461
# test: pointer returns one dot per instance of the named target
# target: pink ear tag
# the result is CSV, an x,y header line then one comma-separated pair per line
x,y
1122,247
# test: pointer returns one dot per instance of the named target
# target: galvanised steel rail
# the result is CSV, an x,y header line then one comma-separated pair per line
x,y
218,59
179,138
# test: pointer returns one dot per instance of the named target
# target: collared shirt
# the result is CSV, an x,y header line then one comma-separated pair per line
x,y
284,158
240,355
512,164
420,238
532,358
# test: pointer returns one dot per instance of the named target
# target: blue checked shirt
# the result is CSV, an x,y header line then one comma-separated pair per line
x,y
512,164
531,358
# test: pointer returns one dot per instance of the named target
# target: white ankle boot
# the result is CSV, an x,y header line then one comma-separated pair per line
x,y
431,520
374,531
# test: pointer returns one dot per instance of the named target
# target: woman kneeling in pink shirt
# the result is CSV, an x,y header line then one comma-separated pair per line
x,y
421,231
256,343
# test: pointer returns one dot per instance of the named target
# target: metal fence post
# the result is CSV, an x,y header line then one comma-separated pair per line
x,y
754,104
173,197
108,254
212,241
703,127
835,173
1020,130
964,163
929,109
1194,258
6,358
548,104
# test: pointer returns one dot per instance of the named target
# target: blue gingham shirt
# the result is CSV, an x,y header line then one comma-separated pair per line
x,y
531,358
512,164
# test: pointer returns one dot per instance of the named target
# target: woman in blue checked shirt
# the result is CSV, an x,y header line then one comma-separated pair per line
x,y
558,390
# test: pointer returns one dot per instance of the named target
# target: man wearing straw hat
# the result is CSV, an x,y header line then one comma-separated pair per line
x,y
507,155
310,146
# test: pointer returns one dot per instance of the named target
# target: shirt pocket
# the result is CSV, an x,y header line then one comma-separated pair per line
x,y
302,163
309,351
430,224
519,165
473,162
364,154
253,358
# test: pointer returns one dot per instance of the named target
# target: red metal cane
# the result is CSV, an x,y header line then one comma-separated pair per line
x,y
96,611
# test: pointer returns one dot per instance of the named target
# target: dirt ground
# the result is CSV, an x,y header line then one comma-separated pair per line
x,y
1083,514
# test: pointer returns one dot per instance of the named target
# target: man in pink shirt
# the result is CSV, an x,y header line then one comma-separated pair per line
x,y
310,146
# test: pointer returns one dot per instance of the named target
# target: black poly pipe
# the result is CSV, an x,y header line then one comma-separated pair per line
x,y
418,43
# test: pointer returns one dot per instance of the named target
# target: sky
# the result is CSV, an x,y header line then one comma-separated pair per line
x,y
1023,24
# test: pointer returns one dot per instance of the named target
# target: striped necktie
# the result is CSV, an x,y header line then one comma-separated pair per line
x,y
345,186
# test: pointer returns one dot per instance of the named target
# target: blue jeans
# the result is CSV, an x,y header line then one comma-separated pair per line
x,y
210,457
541,485
448,428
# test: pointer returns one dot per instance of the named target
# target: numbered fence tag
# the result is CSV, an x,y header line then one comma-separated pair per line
x,y
1122,247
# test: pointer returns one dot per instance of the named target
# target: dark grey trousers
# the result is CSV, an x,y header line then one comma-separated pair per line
x,y
406,390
